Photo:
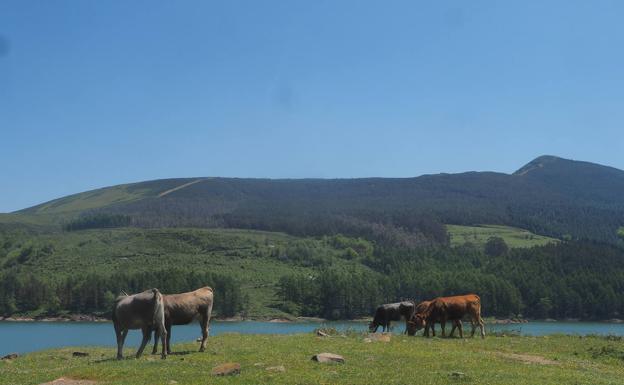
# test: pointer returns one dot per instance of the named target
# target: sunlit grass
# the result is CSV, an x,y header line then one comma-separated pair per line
x,y
403,360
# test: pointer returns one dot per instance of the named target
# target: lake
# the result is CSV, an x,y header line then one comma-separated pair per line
x,y
23,337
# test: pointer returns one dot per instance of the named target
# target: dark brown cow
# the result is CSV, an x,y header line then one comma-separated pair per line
x,y
390,312
453,309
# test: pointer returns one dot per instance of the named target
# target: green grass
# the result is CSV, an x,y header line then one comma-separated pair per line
x,y
479,235
403,360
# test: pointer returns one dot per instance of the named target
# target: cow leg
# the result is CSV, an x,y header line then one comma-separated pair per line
x,y
482,327
168,327
147,332
156,337
121,337
474,327
443,326
453,329
204,329
460,326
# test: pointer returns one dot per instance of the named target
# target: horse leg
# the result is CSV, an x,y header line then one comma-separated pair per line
x,y
147,332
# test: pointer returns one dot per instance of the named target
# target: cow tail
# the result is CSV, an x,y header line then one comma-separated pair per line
x,y
478,302
159,311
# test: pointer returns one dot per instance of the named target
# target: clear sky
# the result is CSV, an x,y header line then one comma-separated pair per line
x,y
97,93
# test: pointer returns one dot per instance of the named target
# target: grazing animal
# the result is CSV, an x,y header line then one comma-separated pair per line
x,y
421,307
453,309
410,323
143,311
390,312
183,308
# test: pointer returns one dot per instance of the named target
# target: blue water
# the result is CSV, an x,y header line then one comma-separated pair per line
x,y
23,337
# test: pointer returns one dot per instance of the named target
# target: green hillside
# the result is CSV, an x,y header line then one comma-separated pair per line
x,y
549,196
333,248
255,259
479,235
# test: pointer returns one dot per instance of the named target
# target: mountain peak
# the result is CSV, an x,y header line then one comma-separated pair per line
x,y
538,163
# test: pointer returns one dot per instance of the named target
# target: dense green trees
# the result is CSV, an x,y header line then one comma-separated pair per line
x,y
95,293
569,280
333,276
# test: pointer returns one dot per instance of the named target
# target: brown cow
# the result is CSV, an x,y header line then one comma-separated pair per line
x,y
143,311
410,329
444,309
411,311
183,308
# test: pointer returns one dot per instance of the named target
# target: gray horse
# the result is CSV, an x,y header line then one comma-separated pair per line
x,y
143,311
183,308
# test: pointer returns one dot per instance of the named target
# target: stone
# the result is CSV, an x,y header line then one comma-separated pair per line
x,y
70,381
383,337
457,374
11,356
278,368
321,333
328,357
80,354
227,369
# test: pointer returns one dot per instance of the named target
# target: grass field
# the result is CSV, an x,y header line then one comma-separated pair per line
x,y
479,235
403,360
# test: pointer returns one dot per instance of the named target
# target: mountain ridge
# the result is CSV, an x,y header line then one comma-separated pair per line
x,y
549,195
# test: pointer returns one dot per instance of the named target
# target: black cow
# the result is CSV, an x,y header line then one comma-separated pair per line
x,y
390,312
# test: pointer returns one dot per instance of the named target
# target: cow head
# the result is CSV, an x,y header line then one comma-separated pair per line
x,y
372,327
416,323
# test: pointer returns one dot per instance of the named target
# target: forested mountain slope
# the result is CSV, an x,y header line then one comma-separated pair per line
x,y
549,196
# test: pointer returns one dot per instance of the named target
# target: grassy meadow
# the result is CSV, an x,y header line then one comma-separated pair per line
x,y
402,360
479,235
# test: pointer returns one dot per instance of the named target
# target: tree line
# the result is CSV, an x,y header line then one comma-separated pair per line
x,y
581,280
95,293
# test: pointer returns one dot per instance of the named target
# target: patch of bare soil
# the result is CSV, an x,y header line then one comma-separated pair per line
x,y
529,358
70,381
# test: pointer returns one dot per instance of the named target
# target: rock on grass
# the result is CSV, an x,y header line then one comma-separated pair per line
x,y
328,357
227,369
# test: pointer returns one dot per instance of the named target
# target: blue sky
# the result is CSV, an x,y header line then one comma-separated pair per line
x,y
96,93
